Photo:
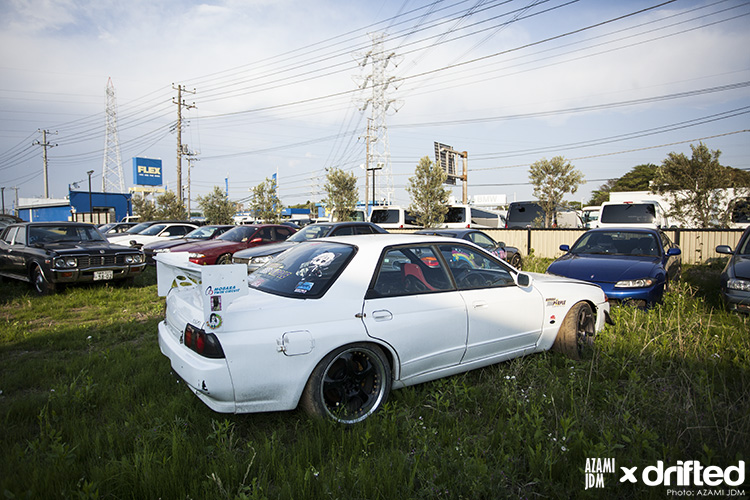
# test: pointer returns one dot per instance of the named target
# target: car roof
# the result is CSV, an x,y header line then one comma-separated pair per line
x,y
387,239
342,223
623,228
456,231
55,223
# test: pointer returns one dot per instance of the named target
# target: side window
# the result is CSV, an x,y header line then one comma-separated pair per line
x,y
472,269
410,271
364,230
666,242
282,233
483,241
9,234
266,234
20,238
343,231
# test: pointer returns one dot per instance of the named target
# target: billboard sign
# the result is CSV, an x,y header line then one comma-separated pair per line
x,y
147,172
446,159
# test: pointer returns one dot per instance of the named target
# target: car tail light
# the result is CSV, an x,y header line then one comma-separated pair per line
x,y
205,344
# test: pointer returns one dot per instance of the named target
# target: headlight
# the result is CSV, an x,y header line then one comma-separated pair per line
x,y
260,260
639,283
735,284
66,262
133,259
194,255
162,250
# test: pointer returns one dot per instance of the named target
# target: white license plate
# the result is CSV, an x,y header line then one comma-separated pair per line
x,y
103,275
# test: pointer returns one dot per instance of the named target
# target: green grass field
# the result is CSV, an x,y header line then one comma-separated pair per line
x,y
90,409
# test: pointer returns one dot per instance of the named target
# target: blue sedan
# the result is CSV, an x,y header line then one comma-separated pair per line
x,y
631,265
735,278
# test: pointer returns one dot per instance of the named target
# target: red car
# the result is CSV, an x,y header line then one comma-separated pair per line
x,y
220,250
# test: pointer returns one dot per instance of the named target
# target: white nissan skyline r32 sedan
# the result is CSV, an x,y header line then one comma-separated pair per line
x,y
332,325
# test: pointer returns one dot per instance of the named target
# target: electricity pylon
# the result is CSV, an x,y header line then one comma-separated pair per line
x,y
112,178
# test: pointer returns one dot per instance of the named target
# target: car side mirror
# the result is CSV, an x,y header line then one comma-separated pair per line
x,y
524,280
565,248
500,244
674,251
725,249
133,243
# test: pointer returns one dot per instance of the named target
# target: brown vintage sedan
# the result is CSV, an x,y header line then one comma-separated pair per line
x,y
48,254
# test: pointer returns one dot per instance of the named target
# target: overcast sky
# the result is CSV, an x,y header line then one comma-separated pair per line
x,y
607,85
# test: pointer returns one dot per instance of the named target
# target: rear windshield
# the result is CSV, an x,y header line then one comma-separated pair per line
x,y
385,216
305,271
311,232
628,213
525,213
456,214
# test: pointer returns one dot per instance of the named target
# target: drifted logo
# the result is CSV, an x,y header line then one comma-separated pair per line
x,y
690,473
687,473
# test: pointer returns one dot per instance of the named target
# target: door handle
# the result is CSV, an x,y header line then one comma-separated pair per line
x,y
382,315
480,304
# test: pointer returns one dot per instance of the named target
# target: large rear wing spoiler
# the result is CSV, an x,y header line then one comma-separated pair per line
x,y
219,285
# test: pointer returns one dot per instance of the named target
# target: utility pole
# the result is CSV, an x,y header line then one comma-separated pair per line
x,y
2,190
15,202
181,148
45,145
367,169
191,157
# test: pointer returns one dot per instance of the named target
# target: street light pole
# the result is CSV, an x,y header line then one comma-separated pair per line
x,y
91,208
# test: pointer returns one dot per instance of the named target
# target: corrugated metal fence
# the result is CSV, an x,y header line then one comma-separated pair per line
x,y
697,245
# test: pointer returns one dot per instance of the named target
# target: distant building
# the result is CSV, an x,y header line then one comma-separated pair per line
x,y
104,207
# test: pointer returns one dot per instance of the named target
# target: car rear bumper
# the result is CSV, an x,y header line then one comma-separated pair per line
x,y
208,378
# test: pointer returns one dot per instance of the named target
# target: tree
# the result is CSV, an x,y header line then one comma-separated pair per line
x,y
341,194
429,197
599,196
552,179
144,208
169,207
696,186
265,204
637,179
216,207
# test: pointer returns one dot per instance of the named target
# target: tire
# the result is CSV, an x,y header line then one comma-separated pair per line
x,y
224,259
349,384
40,284
516,261
575,338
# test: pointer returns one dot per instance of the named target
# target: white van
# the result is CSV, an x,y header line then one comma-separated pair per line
x,y
465,217
392,217
525,214
590,216
632,214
